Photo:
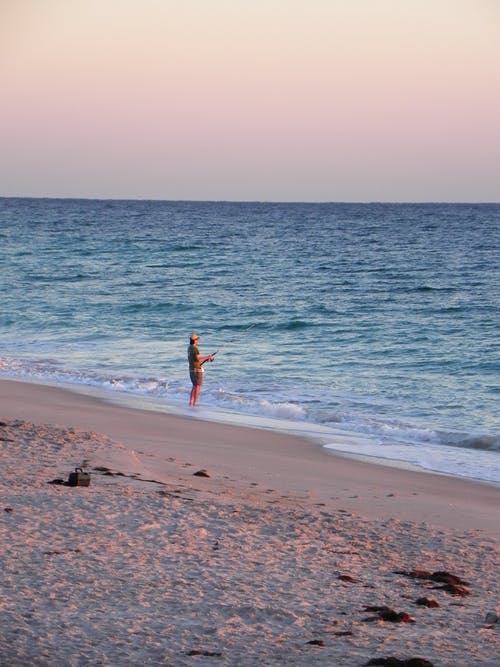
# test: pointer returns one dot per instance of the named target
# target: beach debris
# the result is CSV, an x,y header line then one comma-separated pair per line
x,y
387,614
347,577
58,480
453,589
451,582
396,662
439,576
107,472
206,654
201,473
427,602
55,552
343,633
8,509
175,493
447,578
316,642
492,618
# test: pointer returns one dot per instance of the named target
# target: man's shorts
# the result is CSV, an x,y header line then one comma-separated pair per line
x,y
196,376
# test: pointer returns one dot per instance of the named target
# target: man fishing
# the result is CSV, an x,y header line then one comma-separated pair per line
x,y
196,362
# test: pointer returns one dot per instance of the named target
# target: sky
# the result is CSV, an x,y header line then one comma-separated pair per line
x,y
251,100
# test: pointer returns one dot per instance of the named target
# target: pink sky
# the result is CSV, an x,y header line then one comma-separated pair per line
x,y
289,100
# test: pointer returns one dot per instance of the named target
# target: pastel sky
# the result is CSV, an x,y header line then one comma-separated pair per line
x,y
271,100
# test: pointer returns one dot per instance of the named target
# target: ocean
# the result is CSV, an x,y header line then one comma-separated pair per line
x,y
372,328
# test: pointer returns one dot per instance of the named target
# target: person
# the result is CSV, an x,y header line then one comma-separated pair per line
x,y
196,362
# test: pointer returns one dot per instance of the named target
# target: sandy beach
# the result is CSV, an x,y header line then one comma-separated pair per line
x,y
199,543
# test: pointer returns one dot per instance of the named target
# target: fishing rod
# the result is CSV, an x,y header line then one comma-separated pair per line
x,y
232,341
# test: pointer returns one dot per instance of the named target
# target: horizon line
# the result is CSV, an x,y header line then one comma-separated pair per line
x,y
251,201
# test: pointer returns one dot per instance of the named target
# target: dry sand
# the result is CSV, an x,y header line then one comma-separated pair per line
x,y
281,545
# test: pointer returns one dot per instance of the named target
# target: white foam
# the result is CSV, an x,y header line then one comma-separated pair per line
x,y
458,462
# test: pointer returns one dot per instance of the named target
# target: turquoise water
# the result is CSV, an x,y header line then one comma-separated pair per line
x,y
379,320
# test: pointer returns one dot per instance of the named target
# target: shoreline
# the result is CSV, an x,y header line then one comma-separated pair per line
x,y
329,441
261,458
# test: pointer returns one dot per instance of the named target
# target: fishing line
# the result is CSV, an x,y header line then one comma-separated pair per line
x,y
233,340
